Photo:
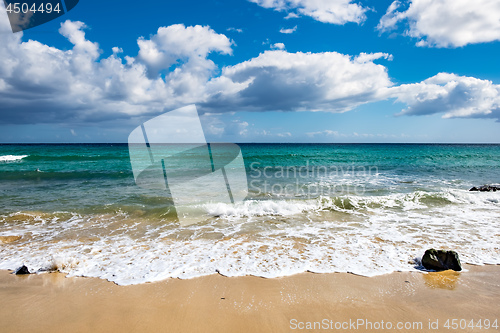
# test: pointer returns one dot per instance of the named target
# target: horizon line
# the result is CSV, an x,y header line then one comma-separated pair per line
x,y
324,143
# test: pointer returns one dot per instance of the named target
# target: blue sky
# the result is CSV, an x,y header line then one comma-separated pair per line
x,y
258,71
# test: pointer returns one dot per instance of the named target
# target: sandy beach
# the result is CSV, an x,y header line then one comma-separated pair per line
x,y
51,302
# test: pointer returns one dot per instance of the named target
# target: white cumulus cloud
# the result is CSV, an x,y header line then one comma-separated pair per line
x,y
326,11
291,16
177,42
289,30
279,80
445,23
278,46
235,29
451,95
43,84
323,133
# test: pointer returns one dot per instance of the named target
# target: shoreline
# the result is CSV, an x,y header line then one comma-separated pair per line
x,y
51,302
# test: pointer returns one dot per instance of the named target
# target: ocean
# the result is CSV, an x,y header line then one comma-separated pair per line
x,y
367,209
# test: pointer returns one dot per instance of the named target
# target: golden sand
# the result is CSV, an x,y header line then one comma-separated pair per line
x,y
51,302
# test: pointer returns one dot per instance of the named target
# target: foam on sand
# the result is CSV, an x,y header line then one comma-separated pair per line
x,y
363,235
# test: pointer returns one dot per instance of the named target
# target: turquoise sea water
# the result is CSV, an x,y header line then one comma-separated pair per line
x,y
368,209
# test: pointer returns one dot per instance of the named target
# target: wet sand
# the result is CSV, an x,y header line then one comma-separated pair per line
x,y
51,302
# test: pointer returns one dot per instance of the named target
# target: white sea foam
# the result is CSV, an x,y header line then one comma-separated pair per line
x,y
366,235
9,158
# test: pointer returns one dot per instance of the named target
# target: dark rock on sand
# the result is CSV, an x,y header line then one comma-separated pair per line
x,y
440,260
22,270
486,188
